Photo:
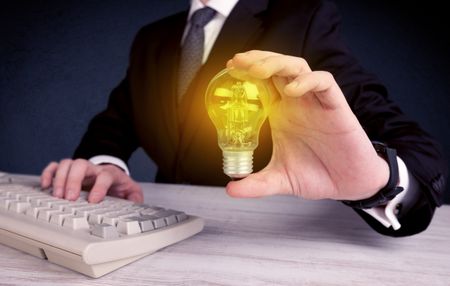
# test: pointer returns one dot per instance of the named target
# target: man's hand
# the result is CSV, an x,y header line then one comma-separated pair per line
x,y
69,176
319,148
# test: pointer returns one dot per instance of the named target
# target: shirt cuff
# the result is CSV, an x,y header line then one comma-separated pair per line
x,y
107,159
387,215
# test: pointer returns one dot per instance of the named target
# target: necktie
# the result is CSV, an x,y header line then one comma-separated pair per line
x,y
192,49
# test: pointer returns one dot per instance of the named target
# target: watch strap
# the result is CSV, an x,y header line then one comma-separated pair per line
x,y
391,189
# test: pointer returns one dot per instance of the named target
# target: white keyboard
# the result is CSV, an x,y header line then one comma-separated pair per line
x,y
93,239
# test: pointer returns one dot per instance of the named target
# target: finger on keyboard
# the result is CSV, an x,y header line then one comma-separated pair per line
x,y
47,175
102,184
75,178
59,181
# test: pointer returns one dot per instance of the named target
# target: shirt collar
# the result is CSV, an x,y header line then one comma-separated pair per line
x,y
223,7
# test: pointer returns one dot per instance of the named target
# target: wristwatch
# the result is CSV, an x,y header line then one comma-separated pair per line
x,y
391,189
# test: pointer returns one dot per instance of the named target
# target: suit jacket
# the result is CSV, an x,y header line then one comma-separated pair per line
x,y
181,139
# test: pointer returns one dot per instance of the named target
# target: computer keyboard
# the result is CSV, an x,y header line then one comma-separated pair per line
x,y
93,239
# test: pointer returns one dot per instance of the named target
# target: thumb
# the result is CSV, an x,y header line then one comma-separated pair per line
x,y
260,184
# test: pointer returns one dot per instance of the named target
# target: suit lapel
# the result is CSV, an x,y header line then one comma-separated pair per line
x,y
241,28
166,68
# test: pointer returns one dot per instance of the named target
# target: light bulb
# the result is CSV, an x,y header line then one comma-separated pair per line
x,y
237,105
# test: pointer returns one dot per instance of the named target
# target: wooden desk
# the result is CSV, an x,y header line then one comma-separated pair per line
x,y
270,241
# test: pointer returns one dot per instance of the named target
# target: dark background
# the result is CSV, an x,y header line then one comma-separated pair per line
x,y
60,59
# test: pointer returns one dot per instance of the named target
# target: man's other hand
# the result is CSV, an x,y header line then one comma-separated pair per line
x,y
68,177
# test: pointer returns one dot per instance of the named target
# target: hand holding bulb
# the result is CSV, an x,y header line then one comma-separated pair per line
x,y
319,148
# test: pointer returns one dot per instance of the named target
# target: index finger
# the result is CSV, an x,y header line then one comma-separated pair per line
x,y
47,175
278,65
244,60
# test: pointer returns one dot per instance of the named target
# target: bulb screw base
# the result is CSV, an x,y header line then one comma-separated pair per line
x,y
237,164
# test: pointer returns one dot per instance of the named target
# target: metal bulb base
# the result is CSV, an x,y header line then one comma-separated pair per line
x,y
237,164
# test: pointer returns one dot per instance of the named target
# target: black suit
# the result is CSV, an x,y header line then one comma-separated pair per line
x,y
181,139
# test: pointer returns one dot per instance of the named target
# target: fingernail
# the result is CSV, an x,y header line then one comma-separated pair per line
x,y
259,63
70,194
239,56
94,197
57,192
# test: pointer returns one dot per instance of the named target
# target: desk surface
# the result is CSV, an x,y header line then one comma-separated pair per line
x,y
271,241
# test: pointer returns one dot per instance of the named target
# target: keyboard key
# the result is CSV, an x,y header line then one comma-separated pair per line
x,y
73,207
86,210
37,200
128,214
97,216
181,216
128,226
158,222
114,217
33,211
58,217
104,231
31,196
151,210
4,203
17,194
19,206
45,214
135,208
76,222
110,219
48,203
168,215
146,224
59,205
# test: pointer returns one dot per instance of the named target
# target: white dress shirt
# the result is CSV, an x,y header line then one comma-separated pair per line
x,y
386,215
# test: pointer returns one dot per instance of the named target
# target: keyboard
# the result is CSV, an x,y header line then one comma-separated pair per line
x,y
93,239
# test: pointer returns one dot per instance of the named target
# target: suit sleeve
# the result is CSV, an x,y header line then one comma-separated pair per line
x,y
382,119
112,132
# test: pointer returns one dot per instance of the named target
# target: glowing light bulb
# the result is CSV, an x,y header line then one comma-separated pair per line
x,y
237,105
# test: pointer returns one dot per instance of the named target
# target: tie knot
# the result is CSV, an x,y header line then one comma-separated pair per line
x,y
202,16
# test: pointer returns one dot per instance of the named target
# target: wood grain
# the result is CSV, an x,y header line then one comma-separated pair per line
x,y
271,241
